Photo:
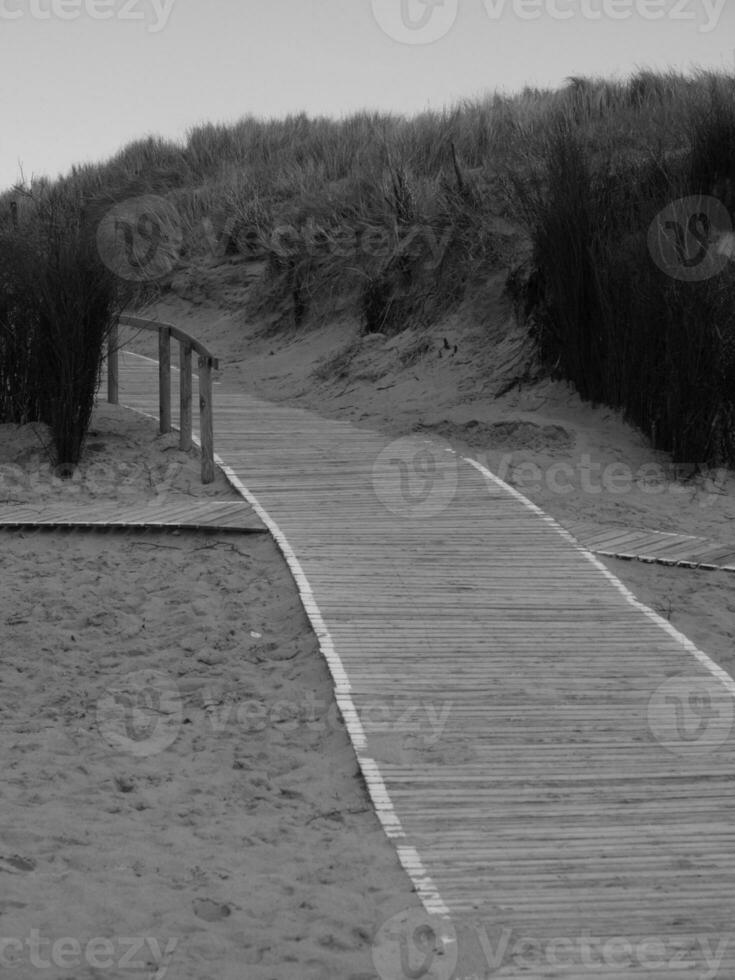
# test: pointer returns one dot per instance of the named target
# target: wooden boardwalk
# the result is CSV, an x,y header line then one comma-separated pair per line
x,y
550,757
174,511
661,547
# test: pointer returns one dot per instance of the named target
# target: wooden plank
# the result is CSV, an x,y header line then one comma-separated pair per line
x,y
206,424
185,401
164,380
660,546
176,512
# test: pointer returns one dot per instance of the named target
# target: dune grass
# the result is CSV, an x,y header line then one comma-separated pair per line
x,y
404,218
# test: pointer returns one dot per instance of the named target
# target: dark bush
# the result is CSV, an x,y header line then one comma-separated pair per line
x,y
57,305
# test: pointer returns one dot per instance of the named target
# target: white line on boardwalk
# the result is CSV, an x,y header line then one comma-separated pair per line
x,y
424,886
548,799
722,675
408,856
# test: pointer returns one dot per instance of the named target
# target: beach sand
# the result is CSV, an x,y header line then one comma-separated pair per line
x,y
180,797
228,819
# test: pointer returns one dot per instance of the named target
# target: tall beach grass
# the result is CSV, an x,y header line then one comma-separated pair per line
x,y
401,220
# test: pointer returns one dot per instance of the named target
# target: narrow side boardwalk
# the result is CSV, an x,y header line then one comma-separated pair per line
x,y
661,547
551,759
174,511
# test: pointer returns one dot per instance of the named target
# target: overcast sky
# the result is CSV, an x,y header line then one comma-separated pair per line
x,y
80,78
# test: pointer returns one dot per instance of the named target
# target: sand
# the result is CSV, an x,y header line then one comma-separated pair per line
x,y
175,766
180,797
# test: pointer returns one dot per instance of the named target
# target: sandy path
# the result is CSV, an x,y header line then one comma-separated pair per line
x,y
180,797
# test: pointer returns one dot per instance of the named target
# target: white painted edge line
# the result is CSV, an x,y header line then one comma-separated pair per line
x,y
667,562
722,675
131,353
389,819
342,684
408,856
427,890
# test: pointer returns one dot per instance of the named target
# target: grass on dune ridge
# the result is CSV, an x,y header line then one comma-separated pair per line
x,y
402,219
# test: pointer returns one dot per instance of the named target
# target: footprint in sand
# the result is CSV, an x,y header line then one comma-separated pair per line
x,y
16,864
211,911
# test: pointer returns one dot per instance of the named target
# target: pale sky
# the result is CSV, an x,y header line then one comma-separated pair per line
x,y
81,78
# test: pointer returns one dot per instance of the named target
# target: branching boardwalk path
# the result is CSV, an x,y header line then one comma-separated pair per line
x,y
661,547
555,764
174,512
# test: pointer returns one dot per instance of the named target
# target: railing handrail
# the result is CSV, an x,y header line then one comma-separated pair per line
x,y
176,333
207,364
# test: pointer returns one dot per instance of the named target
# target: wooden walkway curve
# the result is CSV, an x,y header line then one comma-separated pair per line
x,y
551,759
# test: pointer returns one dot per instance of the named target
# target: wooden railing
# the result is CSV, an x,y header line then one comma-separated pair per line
x,y
207,364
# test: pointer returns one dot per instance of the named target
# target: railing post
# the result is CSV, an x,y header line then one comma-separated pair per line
x,y
207,364
164,378
206,429
184,396
113,374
